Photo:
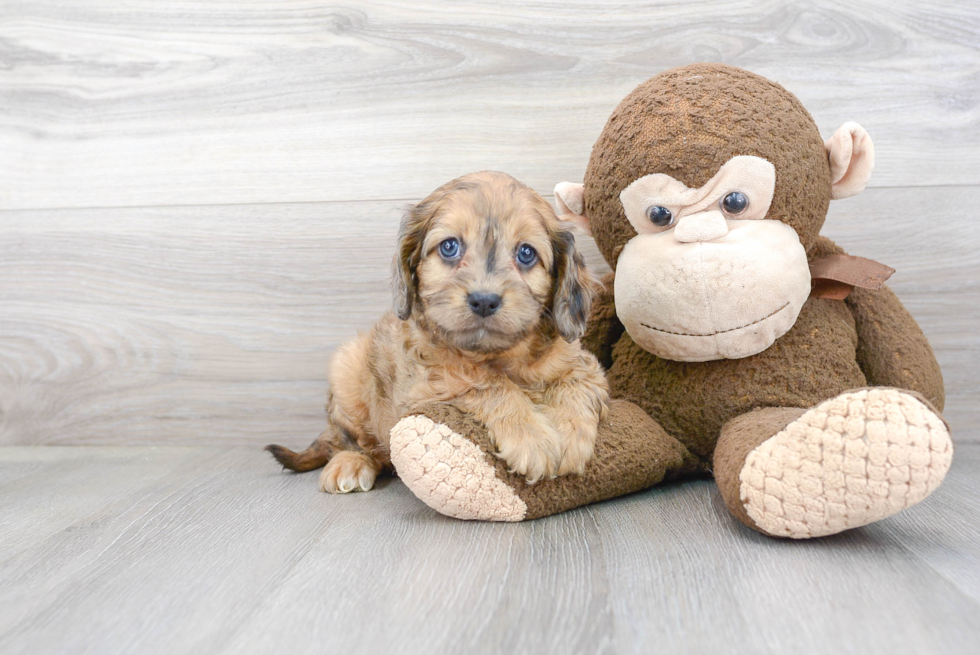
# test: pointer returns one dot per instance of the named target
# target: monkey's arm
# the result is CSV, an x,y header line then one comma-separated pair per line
x,y
892,350
603,329
446,458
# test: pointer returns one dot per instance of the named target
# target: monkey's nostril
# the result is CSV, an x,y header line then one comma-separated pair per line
x,y
483,304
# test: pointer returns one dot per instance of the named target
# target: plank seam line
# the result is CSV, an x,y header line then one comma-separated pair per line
x,y
549,195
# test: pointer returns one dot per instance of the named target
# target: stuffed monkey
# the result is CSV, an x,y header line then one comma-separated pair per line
x,y
737,340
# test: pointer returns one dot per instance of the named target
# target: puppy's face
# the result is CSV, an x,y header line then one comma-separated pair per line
x,y
485,261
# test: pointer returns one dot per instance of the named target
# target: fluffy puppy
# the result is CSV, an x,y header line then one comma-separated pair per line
x,y
490,297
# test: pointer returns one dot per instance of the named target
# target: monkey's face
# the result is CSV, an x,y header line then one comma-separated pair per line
x,y
709,251
708,276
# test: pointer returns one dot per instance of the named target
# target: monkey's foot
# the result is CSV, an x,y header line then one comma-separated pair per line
x,y
446,459
850,461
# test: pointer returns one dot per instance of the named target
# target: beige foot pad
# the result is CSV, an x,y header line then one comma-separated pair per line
x,y
847,462
450,474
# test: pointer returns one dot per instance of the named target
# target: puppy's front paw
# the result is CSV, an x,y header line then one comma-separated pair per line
x,y
579,434
348,471
531,447
576,409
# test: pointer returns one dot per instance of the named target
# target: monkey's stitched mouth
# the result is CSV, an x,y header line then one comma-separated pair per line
x,y
687,334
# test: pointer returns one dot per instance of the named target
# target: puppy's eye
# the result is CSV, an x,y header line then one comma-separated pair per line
x,y
526,255
449,248
660,216
734,203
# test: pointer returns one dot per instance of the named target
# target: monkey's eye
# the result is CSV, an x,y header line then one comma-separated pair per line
x,y
526,255
449,248
660,216
734,203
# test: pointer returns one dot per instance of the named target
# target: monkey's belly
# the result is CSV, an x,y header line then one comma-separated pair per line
x,y
814,361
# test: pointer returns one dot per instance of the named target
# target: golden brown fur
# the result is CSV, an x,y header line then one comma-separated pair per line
x,y
518,368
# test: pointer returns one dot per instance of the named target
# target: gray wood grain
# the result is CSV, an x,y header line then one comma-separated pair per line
x,y
134,104
214,325
206,550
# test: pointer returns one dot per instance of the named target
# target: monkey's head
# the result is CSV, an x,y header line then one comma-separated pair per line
x,y
706,192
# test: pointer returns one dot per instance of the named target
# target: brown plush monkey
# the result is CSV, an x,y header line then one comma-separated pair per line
x,y
737,340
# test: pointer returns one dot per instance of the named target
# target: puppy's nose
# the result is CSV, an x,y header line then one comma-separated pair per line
x,y
482,303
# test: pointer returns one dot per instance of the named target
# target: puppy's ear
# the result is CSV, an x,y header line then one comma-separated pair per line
x,y
408,256
574,287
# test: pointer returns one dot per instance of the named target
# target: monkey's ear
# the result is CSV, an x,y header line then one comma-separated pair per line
x,y
852,158
574,287
570,203
408,255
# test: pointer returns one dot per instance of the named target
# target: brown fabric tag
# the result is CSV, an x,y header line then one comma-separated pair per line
x,y
834,277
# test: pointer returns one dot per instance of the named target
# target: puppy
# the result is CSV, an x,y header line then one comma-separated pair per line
x,y
491,297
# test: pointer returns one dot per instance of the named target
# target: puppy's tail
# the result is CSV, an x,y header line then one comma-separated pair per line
x,y
314,457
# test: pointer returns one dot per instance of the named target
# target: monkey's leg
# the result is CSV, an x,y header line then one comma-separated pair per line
x,y
849,461
446,459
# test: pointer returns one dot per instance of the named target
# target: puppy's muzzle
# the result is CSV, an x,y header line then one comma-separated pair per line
x,y
482,303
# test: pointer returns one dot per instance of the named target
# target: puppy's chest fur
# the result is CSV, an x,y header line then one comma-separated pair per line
x,y
408,369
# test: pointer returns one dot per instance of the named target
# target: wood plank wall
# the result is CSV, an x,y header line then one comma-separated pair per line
x,y
198,200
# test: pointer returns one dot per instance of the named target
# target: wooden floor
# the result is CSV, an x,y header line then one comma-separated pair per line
x,y
198,203
208,550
